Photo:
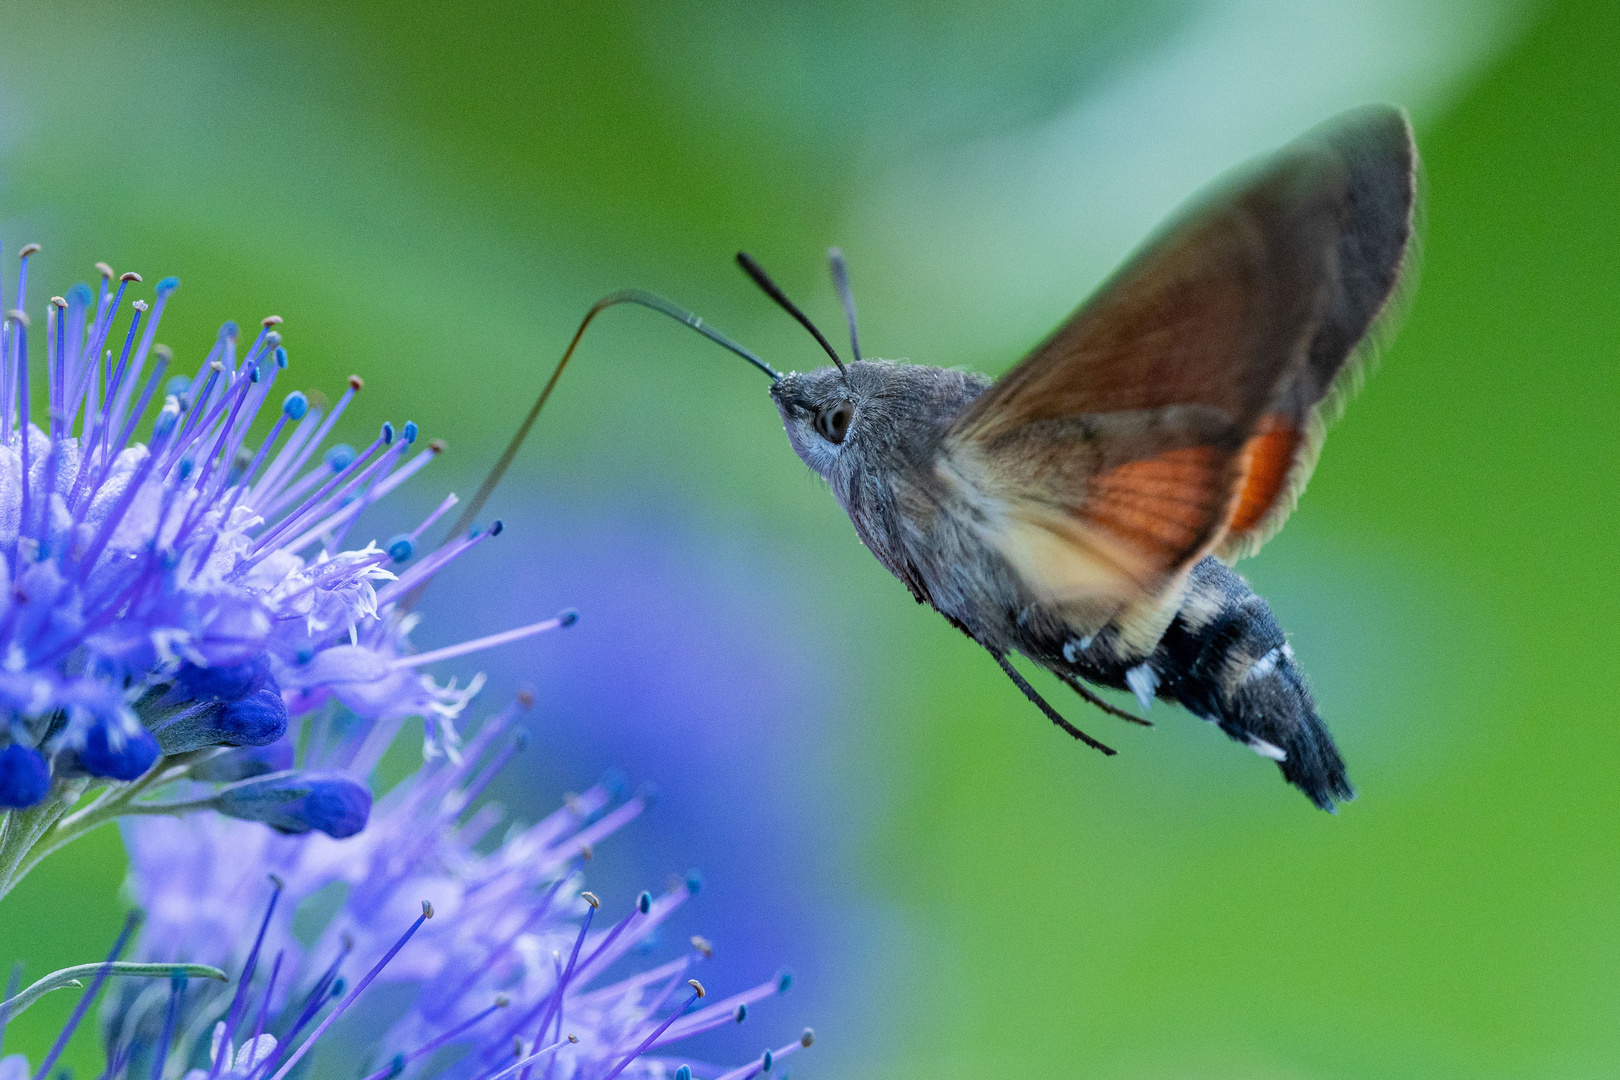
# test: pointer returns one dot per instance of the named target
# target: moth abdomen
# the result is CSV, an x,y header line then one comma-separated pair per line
x,y
1225,658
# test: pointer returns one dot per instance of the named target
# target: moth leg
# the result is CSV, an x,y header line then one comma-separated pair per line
x,y
1051,713
1085,692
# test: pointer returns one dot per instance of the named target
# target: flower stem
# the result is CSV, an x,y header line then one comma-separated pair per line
x,y
69,977
41,830
25,828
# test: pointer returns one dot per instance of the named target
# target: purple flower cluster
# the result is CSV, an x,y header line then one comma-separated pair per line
x,y
510,974
159,598
168,605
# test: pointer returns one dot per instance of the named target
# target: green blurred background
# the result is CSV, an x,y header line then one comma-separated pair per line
x,y
432,195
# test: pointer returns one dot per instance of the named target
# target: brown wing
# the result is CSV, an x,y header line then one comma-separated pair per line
x,y
1122,449
1373,254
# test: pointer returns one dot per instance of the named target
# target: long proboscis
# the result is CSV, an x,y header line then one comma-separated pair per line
x,y
626,296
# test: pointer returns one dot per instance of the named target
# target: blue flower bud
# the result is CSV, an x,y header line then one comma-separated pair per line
x,y
222,682
24,777
300,803
129,761
255,720
245,762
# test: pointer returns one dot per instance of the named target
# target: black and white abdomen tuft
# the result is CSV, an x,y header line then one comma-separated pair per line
x,y
1225,658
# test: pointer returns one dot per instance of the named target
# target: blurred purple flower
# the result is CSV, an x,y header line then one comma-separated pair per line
x,y
512,929
701,663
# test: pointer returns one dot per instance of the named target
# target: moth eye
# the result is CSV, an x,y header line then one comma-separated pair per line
x,y
832,423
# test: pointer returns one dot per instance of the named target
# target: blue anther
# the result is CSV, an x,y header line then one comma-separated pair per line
x,y
766,1062
613,782
784,981
408,433
186,463
304,655
694,881
683,1073
281,358
338,986
164,427
253,375
168,285
272,339
177,385
340,457
229,329
643,902
387,433
296,405
741,1014
79,295
497,527
569,617
401,548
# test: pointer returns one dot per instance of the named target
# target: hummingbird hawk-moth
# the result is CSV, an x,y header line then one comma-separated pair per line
x,y
1083,509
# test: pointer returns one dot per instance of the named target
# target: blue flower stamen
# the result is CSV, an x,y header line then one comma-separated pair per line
x,y
177,989
342,1006
239,1001
397,1065
697,992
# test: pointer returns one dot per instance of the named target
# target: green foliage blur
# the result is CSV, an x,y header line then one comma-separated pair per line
x,y
432,194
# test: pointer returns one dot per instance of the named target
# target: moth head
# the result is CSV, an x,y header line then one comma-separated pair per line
x,y
822,412
869,416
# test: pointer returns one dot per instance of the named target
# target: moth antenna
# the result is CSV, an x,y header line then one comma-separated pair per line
x,y
504,462
763,280
840,276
